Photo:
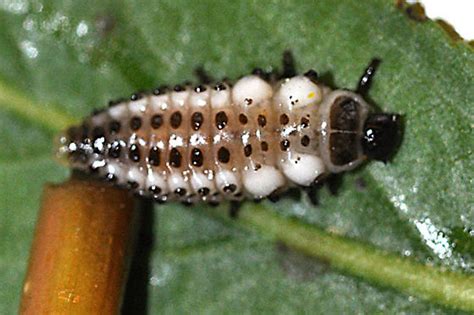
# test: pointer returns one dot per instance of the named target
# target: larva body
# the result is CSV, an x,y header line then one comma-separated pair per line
x,y
215,142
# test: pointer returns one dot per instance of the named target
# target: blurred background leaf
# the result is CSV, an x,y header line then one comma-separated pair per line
x,y
61,59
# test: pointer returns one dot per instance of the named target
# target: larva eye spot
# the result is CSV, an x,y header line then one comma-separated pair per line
x,y
381,136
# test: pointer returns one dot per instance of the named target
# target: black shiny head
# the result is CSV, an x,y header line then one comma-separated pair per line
x,y
381,136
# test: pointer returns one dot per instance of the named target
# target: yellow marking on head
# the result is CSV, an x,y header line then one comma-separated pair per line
x,y
311,95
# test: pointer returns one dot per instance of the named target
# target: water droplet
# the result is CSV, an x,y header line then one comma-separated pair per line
x,y
15,6
82,29
162,276
29,49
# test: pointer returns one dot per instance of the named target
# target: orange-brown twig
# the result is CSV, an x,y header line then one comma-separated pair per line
x,y
80,251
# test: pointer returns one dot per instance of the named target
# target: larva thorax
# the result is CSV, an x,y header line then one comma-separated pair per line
x,y
216,141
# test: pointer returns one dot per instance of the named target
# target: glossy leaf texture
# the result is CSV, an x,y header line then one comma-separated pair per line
x,y
61,59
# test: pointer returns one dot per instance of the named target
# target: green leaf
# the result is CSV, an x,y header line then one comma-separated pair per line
x,y
59,60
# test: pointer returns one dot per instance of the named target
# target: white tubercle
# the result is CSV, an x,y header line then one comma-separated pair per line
x,y
251,89
220,98
136,175
159,102
176,180
155,179
225,178
199,99
297,92
302,169
200,180
178,99
118,111
117,170
138,107
262,182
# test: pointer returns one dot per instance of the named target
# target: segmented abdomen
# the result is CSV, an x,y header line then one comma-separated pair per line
x,y
207,142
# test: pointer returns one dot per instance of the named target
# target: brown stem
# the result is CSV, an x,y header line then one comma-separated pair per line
x,y
80,251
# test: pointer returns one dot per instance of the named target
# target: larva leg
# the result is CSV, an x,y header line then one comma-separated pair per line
x,y
312,192
234,208
366,78
202,75
333,182
289,68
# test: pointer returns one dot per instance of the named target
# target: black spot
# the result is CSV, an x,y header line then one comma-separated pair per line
x,y
223,155
155,190
200,88
221,120
154,156
304,122
136,96
175,119
160,90
248,101
175,158
264,146
219,86
115,149
178,88
204,191
248,150
243,119
284,119
156,121
284,145
196,120
305,141
180,192
134,153
230,188
135,123
262,120
114,127
197,158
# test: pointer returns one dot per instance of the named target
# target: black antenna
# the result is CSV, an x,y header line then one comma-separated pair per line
x,y
366,78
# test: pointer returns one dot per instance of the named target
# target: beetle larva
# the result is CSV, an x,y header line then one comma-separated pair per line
x,y
214,142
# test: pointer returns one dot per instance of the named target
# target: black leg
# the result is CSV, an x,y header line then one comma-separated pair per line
x,y
312,192
366,78
333,182
234,209
202,75
289,68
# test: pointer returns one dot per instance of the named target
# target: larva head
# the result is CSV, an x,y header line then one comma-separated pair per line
x,y
381,136
351,133
72,147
